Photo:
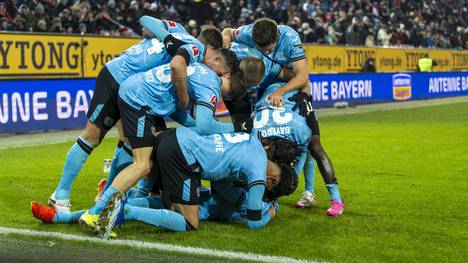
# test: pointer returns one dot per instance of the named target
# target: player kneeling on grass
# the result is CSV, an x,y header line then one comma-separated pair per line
x,y
183,158
288,123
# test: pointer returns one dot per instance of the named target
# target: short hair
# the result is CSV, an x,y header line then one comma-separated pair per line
x,y
265,32
287,184
230,60
253,69
211,36
282,150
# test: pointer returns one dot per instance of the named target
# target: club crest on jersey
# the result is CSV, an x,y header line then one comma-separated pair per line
x,y
213,100
171,24
195,51
237,32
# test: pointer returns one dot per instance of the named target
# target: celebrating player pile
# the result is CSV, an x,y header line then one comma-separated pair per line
x,y
249,163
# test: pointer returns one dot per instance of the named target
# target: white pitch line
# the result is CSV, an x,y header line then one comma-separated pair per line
x,y
157,246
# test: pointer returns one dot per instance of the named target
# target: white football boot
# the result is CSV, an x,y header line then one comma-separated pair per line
x,y
62,205
307,200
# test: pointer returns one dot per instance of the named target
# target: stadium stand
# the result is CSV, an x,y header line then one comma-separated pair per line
x,y
441,24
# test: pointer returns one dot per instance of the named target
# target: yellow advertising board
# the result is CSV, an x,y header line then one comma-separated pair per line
x,y
63,56
56,56
386,59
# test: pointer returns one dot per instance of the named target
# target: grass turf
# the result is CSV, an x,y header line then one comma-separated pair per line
x,y
402,174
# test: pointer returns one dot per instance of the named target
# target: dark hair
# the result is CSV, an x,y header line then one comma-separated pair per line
x,y
253,69
212,36
282,150
238,86
230,60
265,32
287,184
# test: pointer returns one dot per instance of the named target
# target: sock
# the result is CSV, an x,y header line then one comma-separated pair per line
x,y
76,157
67,217
121,159
145,185
333,192
157,217
103,200
309,174
147,202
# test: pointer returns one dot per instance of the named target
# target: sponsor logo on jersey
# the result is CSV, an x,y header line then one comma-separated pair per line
x,y
401,86
237,32
195,51
171,24
213,100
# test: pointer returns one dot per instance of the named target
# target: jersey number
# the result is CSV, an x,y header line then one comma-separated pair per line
x,y
157,47
163,73
280,117
236,138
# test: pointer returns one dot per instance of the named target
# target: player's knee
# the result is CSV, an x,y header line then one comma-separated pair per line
x,y
143,168
93,134
315,148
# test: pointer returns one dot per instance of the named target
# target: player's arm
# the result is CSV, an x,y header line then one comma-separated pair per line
x,y
255,219
228,37
299,80
183,118
205,123
181,57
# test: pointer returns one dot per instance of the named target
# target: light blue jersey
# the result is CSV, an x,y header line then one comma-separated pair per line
x,y
281,122
154,90
150,52
232,156
288,46
243,51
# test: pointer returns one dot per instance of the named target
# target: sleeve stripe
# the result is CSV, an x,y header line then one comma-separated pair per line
x,y
258,182
298,58
206,104
254,215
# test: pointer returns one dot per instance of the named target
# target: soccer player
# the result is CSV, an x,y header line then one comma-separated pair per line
x,y
146,96
283,45
288,123
103,112
184,157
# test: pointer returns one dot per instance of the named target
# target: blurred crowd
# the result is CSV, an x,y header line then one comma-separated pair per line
x,y
425,23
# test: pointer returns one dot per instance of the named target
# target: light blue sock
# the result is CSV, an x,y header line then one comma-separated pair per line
x,y
102,202
309,174
76,157
67,217
144,186
155,26
333,192
147,202
157,217
120,161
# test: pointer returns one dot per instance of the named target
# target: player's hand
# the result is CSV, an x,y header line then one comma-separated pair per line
x,y
276,99
243,126
303,102
272,210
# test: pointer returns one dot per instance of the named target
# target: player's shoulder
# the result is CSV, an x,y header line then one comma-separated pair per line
x,y
288,33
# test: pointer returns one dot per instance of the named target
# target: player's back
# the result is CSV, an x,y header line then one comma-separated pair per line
x,y
149,53
281,122
238,156
154,89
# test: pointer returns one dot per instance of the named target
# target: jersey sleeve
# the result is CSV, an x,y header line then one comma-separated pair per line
x,y
256,176
194,52
243,35
296,50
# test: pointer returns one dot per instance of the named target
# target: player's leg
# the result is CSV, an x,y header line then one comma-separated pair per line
x,y
50,215
307,165
328,175
102,115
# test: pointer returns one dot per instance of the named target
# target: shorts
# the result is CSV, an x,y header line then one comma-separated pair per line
x,y
139,127
103,110
178,180
240,109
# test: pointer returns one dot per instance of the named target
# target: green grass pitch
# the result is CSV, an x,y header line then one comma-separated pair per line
x,y
403,174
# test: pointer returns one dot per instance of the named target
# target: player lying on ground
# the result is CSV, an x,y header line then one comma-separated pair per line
x,y
184,157
147,96
149,210
289,124
103,112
